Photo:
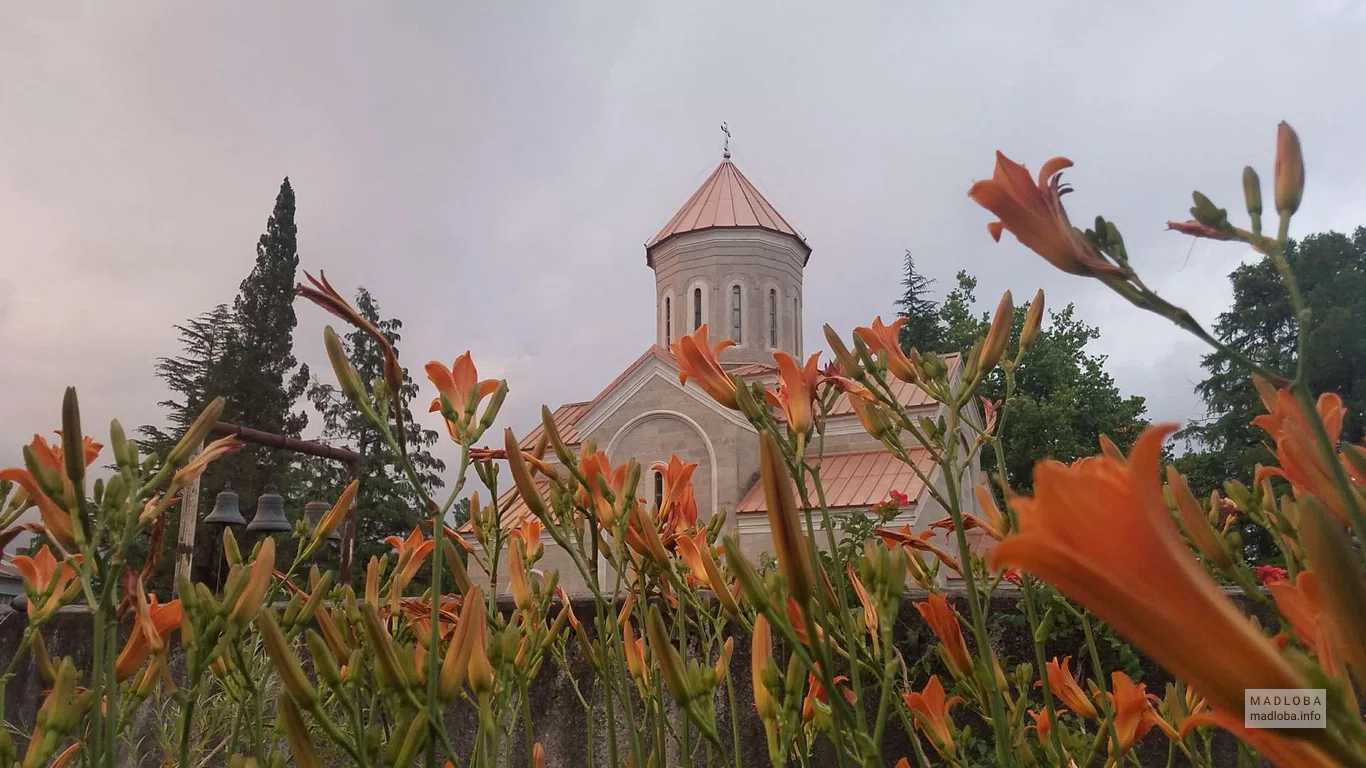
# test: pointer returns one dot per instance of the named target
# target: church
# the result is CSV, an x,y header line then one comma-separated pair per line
x,y
728,259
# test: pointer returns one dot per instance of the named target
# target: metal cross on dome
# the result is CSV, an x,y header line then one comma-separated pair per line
x,y
726,130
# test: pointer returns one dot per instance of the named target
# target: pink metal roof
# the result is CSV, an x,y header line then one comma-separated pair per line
x,y
725,199
857,479
566,417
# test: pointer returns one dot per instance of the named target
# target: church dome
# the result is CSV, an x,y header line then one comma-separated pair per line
x,y
725,199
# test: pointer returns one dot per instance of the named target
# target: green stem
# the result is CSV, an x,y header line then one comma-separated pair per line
x,y
1098,675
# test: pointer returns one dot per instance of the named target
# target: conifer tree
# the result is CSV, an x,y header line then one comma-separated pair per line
x,y
922,329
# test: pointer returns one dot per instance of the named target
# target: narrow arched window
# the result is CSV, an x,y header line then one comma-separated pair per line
x,y
735,313
772,317
797,324
668,320
659,490
696,308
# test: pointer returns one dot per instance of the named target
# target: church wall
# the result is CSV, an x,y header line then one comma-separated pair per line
x,y
756,261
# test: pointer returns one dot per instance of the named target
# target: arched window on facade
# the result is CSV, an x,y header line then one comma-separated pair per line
x,y
668,320
696,308
659,489
773,317
735,314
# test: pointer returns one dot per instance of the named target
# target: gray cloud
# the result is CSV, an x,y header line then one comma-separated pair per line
x,y
491,173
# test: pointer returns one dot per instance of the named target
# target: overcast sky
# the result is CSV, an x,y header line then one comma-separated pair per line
x,y
491,171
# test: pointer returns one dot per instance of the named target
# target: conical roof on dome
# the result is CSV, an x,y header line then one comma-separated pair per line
x,y
726,199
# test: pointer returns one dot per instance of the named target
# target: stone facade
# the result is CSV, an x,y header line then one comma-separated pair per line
x,y
710,265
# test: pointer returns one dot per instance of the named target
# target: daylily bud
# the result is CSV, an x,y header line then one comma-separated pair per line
x,y
995,343
480,671
230,550
118,443
455,666
841,352
1195,522
453,564
1207,213
347,376
1252,191
538,756
262,569
750,583
521,475
300,744
195,435
381,644
789,542
666,656
1033,321
495,404
286,664
761,660
73,442
521,592
1330,551
334,517
556,441
324,664
412,741
1289,170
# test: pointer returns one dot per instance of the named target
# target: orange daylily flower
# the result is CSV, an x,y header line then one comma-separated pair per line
x,y
322,293
1297,450
1066,688
931,710
412,551
970,522
943,620
153,626
186,475
47,578
883,340
50,454
817,695
903,537
678,506
1302,605
1132,568
698,361
598,470
1280,749
701,561
461,387
796,393
529,532
1134,713
1035,215
1042,723
58,522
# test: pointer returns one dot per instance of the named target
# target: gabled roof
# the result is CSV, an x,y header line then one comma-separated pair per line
x,y
858,479
726,199
567,416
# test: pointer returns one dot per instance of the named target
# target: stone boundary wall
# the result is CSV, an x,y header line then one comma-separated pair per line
x,y
559,721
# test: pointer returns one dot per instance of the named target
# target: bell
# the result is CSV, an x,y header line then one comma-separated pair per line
x,y
270,513
225,509
313,513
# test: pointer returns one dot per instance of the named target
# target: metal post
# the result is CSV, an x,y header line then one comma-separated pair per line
x,y
189,517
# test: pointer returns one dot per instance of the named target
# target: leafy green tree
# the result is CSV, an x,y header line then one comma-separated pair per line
x,y
1330,269
388,505
1064,399
922,329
